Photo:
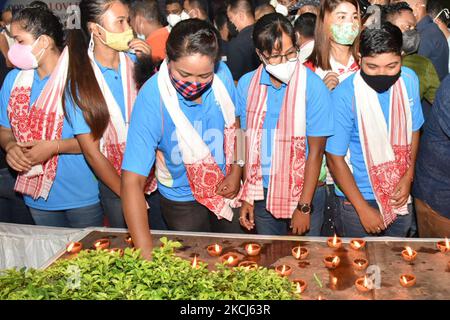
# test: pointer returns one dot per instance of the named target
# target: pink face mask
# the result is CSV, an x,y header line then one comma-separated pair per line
x,y
22,56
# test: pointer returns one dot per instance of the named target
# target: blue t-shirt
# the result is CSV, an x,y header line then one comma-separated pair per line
x,y
113,79
75,185
319,114
151,129
347,131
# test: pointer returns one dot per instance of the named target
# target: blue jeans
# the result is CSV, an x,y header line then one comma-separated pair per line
x,y
348,223
267,224
12,206
112,206
90,216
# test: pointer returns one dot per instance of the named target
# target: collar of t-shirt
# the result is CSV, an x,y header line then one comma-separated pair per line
x,y
265,80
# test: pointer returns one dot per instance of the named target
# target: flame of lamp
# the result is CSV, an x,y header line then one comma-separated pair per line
x,y
407,280
300,253
129,241
253,249
332,262
118,250
357,244
284,270
409,255
214,250
74,247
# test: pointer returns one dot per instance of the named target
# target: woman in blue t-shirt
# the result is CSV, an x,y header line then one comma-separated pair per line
x,y
101,71
58,186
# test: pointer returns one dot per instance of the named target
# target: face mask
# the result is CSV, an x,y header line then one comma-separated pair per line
x,y
189,90
117,40
345,33
282,71
380,83
173,19
8,28
22,56
232,29
282,9
141,37
411,41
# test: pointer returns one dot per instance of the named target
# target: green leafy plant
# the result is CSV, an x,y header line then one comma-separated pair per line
x,y
104,275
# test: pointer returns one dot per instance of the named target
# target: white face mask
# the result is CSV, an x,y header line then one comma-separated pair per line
x,y
141,37
282,9
282,71
173,19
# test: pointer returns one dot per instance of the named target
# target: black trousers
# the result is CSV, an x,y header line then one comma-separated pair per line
x,y
193,216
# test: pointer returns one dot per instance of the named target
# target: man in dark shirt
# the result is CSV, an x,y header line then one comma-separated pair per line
x,y
433,43
242,57
432,181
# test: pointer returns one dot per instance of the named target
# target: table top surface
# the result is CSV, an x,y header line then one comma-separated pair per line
x,y
431,267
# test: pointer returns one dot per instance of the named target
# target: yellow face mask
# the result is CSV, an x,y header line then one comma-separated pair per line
x,y
117,40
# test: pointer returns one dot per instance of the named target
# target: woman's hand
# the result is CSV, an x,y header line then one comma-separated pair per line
x,y
39,151
16,158
140,47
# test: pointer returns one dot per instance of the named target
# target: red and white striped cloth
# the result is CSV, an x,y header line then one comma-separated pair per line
x,y
386,150
42,121
203,173
289,151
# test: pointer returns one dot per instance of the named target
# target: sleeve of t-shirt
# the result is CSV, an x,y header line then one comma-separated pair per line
x,y
414,94
5,94
441,108
145,130
76,118
319,113
241,98
342,98
432,84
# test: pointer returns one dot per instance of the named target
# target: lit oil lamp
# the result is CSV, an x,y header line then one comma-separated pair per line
x,y
253,249
332,262
360,264
444,246
196,262
230,259
300,286
409,254
334,242
248,265
284,270
407,280
117,250
333,282
214,250
300,253
74,247
129,241
363,285
102,244
357,244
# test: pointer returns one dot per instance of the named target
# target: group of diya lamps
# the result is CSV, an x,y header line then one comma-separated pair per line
x,y
74,248
364,284
231,259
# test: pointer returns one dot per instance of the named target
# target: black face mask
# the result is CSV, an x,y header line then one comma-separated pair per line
x,y
380,83
411,41
232,30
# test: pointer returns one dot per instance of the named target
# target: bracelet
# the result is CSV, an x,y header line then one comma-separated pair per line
x,y
57,149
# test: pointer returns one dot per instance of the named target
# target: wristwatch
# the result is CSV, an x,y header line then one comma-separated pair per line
x,y
304,208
